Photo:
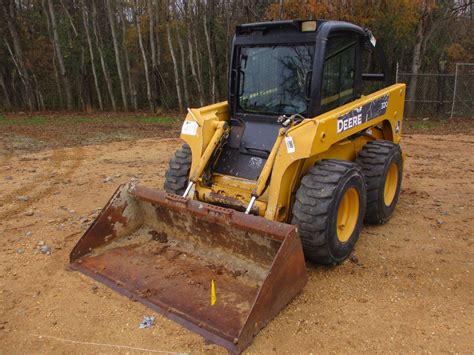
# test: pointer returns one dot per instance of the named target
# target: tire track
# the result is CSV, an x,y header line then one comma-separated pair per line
x,y
59,159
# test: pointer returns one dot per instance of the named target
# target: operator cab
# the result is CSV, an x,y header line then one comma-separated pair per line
x,y
292,67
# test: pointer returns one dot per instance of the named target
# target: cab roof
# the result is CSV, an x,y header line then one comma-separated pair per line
x,y
295,27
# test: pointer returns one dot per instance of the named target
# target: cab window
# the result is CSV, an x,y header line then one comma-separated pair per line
x,y
339,72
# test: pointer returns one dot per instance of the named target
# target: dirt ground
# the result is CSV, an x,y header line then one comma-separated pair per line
x,y
409,286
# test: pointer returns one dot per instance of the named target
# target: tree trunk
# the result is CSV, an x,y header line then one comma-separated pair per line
x,y
155,84
183,69
145,61
85,20
117,55
55,67
158,44
62,66
19,62
175,67
192,64
7,103
39,95
198,61
282,8
415,68
76,34
131,86
28,100
212,67
105,69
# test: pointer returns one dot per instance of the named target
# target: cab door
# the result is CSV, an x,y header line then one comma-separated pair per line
x,y
341,72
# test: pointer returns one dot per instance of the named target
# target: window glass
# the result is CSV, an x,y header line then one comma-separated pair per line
x,y
274,80
370,64
338,73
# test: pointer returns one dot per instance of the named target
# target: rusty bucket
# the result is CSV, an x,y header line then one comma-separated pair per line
x,y
216,271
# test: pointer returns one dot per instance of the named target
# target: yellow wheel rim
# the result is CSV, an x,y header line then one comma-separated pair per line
x,y
391,183
347,214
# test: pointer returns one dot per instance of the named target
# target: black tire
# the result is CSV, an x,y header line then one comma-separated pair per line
x,y
316,208
177,175
376,159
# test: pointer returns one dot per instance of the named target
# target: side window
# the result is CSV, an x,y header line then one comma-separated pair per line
x,y
339,72
370,65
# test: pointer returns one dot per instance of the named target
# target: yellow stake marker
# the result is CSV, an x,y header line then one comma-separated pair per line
x,y
213,293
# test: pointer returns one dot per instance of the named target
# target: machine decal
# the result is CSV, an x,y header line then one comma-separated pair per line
x,y
189,128
362,114
290,145
397,127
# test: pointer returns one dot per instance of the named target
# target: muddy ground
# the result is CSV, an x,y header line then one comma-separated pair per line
x,y
409,286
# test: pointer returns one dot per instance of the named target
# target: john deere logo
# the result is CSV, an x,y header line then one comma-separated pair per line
x,y
362,114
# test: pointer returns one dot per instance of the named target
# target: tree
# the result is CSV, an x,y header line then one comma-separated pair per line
x,y
105,69
59,55
117,54
145,60
85,19
175,66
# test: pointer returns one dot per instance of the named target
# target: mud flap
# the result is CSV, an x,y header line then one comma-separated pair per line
x,y
167,252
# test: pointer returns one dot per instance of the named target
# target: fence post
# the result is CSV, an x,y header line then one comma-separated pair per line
x,y
455,86
396,73
441,87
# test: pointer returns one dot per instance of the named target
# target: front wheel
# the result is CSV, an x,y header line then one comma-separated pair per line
x,y
329,210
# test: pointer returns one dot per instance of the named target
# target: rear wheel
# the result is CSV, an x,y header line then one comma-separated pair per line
x,y
381,163
329,210
177,175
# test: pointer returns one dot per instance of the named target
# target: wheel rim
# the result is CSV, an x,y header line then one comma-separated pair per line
x,y
347,214
391,184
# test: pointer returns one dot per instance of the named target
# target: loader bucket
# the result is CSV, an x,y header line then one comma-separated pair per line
x,y
218,272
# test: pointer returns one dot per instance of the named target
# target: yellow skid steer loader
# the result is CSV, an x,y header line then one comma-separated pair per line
x,y
305,149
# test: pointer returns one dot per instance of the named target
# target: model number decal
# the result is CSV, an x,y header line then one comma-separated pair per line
x,y
362,114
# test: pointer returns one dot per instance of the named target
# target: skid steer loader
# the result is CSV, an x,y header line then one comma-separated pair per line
x,y
305,149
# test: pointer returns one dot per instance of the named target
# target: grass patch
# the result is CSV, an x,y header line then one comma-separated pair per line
x,y
72,120
422,125
153,119
24,121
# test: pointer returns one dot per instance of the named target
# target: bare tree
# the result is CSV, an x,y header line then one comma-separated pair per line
x,y
431,19
59,55
145,60
175,67
212,67
85,20
55,67
7,102
17,58
131,86
194,73
105,69
154,60
117,55
183,68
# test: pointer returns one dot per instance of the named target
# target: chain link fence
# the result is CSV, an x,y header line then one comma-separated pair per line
x,y
447,94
